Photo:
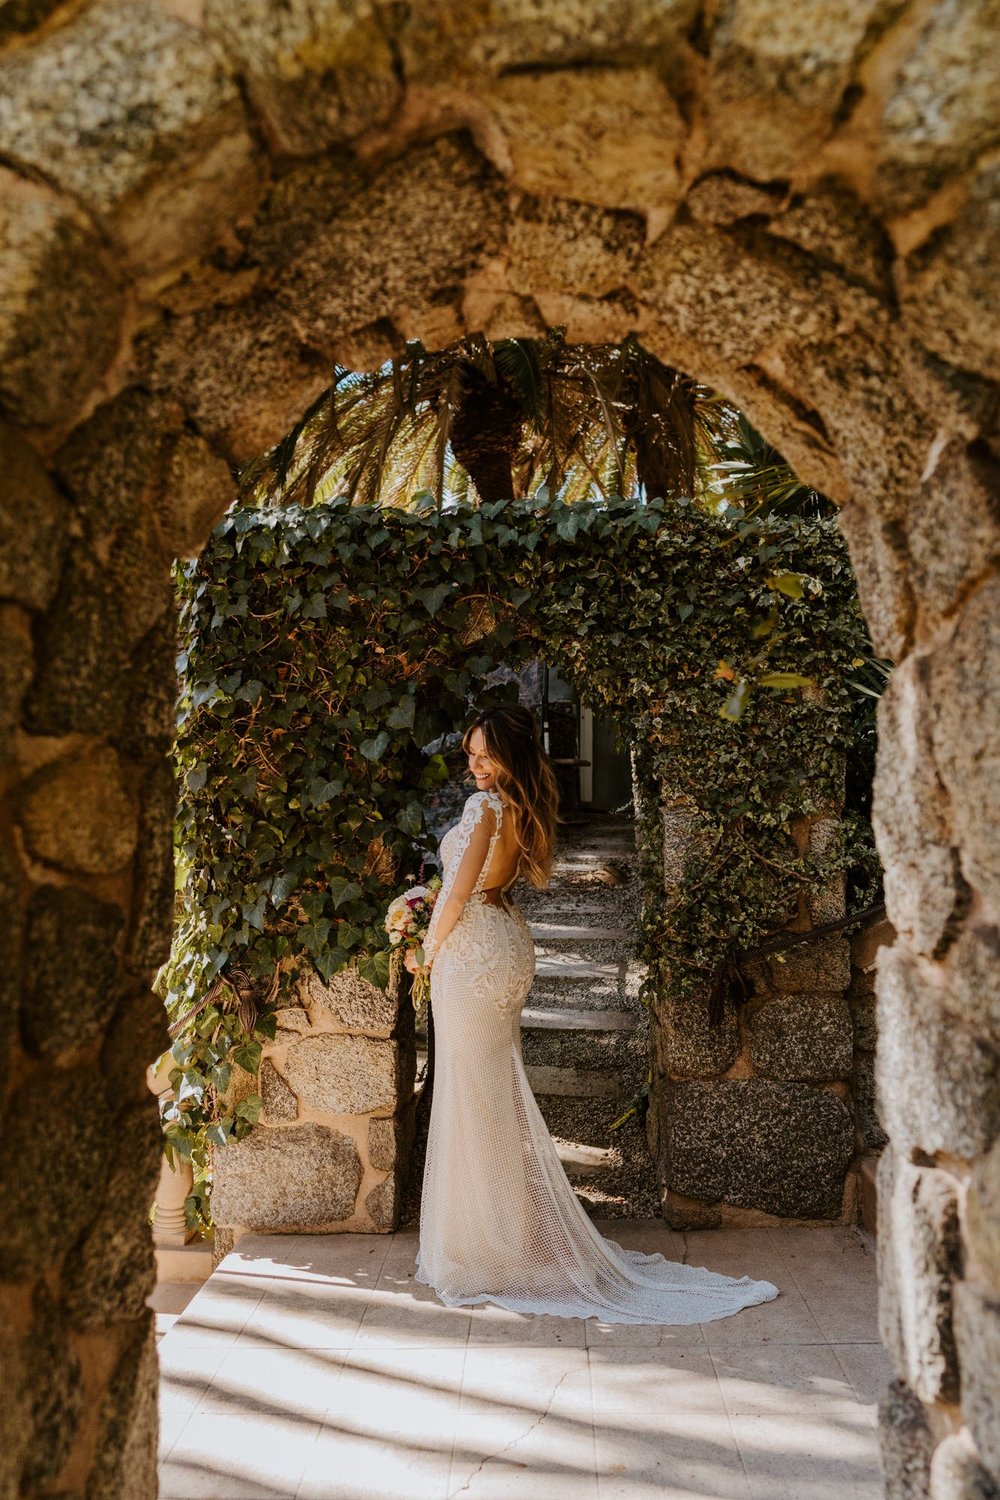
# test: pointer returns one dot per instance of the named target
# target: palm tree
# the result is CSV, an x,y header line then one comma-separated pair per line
x,y
750,475
510,416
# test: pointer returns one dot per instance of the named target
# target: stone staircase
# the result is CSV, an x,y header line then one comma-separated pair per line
x,y
584,1031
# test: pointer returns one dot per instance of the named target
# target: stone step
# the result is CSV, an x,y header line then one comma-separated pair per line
x,y
581,908
574,1083
586,1121
597,995
568,1018
586,1161
574,969
553,931
599,1050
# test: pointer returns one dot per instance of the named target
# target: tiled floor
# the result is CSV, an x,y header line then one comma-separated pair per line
x,y
314,1368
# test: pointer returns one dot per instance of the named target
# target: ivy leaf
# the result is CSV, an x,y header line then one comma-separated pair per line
x,y
433,598
253,912
315,934
321,792
283,887
314,608
375,748
330,963
342,890
247,1055
376,967
411,819
402,716
197,777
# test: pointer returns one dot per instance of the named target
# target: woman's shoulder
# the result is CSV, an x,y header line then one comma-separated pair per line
x,y
478,801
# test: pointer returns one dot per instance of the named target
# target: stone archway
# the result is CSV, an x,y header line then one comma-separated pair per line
x,y
202,206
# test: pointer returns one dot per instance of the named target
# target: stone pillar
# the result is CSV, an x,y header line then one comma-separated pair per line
x,y
85,849
177,1180
936,810
752,1121
332,1146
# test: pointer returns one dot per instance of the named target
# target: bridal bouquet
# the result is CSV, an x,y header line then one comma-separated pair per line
x,y
407,921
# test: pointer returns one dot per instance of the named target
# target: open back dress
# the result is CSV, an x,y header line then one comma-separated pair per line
x,y
499,1220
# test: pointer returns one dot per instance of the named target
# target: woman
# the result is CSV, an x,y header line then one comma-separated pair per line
x,y
499,1221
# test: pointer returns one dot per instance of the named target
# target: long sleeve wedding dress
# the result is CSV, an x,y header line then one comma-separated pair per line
x,y
499,1220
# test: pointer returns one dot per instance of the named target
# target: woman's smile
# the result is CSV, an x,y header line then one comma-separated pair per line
x,y
480,765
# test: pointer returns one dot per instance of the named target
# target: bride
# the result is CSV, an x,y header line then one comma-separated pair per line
x,y
499,1221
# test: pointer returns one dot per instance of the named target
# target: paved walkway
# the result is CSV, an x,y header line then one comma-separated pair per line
x,y
313,1368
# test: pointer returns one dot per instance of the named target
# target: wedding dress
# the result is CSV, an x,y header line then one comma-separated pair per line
x,y
499,1220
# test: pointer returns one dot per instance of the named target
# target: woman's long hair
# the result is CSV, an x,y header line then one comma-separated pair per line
x,y
527,781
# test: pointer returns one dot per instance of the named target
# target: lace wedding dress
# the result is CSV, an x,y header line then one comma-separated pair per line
x,y
499,1221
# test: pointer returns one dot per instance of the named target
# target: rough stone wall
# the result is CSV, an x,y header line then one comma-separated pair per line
x,y
866,942
331,1149
752,1121
202,205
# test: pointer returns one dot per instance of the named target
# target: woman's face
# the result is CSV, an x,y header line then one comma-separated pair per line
x,y
480,765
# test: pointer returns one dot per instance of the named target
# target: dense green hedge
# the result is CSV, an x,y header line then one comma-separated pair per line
x,y
322,648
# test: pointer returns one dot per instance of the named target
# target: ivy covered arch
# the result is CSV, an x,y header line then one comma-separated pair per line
x,y
323,648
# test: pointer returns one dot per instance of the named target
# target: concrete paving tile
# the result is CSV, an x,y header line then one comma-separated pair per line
x,y
786,1320
527,1381
307,1313
762,1380
820,1239
869,1369
651,1236
345,1465
736,1252
174,1414
790,1456
408,1392
187,1369
256,1457
601,1335
496,1325
685,1456
355,1257
220,1311
399,1319
840,1288
845,1316
187,1364
291,1383
670,1378
523,1455
266,1248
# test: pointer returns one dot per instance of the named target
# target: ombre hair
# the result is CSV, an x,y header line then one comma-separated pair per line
x,y
527,781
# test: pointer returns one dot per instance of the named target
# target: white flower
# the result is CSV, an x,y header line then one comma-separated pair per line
x,y
395,937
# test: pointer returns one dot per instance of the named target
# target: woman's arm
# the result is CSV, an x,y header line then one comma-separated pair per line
x,y
479,827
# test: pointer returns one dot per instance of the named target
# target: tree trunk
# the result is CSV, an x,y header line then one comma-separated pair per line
x,y
485,435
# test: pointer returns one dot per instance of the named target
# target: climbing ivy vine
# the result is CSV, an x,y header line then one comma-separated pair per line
x,y
321,649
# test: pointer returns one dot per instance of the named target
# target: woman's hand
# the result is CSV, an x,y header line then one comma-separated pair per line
x,y
410,962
